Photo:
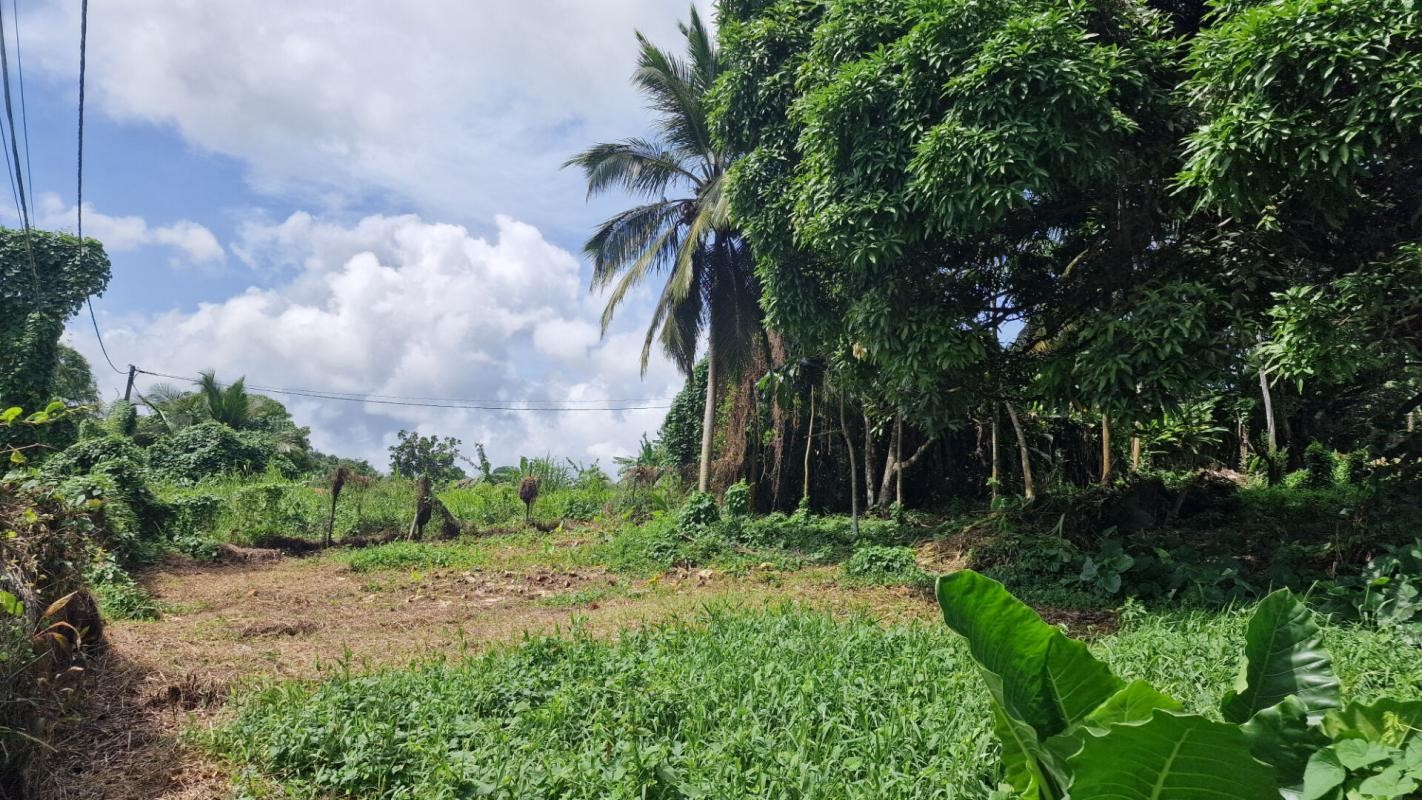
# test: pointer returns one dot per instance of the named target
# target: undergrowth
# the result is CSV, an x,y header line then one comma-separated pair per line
x,y
732,704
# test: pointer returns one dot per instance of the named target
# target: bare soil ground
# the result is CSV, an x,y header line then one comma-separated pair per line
x,y
232,624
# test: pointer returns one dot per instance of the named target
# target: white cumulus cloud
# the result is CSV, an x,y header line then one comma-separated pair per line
x,y
405,308
192,243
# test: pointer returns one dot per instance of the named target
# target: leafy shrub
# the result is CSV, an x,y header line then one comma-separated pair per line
x,y
1386,595
1068,725
659,544
737,499
83,456
699,509
205,450
272,509
884,565
120,596
1318,464
122,419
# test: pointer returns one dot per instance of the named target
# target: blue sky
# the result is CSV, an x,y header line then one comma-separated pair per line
x,y
356,196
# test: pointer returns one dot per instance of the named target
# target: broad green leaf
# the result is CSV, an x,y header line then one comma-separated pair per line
x,y
1038,675
10,414
1021,757
1354,754
1284,656
1324,776
1386,721
1281,737
1170,757
1133,703
1391,782
11,604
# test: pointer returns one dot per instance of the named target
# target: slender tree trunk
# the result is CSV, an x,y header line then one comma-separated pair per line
x,y
708,416
853,485
1136,453
891,463
1029,488
1412,422
899,460
1105,450
868,463
1242,431
1272,433
809,443
995,483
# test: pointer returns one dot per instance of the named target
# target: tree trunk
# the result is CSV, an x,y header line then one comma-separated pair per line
x,y
708,416
1105,450
899,460
995,483
1029,489
1412,422
1273,439
868,463
809,443
891,462
1136,453
853,480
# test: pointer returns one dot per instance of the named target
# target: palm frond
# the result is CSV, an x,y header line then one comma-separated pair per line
x,y
636,165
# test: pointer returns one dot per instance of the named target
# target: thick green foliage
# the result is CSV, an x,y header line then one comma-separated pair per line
x,y
680,435
44,280
205,450
877,564
1069,727
414,455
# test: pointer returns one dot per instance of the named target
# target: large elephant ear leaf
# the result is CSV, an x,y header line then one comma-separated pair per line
x,y
1284,655
1281,737
1039,676
1174,757
1386,721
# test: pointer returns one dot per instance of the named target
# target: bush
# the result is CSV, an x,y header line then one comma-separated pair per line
x,y
122,419
698,510
1318,464
874,564
737,499
202,451
83,456
120,596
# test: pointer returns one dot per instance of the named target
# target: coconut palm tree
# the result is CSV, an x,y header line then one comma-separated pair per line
x,y
231,406
683,232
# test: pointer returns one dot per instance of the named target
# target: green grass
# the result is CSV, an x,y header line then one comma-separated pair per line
x,y
520,550
732,704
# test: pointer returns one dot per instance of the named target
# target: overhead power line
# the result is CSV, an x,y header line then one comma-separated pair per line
x,y
79,177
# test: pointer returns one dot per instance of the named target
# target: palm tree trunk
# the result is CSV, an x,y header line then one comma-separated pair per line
x,y
1105,450
1029,489
809,443
708,415
853,468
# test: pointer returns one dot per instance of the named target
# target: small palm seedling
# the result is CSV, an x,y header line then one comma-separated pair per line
x,y
528,493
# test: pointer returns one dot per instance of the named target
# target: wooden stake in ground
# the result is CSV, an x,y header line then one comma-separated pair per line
x,y
528,492
338,483
423,509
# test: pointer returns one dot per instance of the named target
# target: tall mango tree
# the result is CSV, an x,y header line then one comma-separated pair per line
x,y
683,233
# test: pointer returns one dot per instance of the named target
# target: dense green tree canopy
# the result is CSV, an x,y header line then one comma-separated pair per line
x,y
44,280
